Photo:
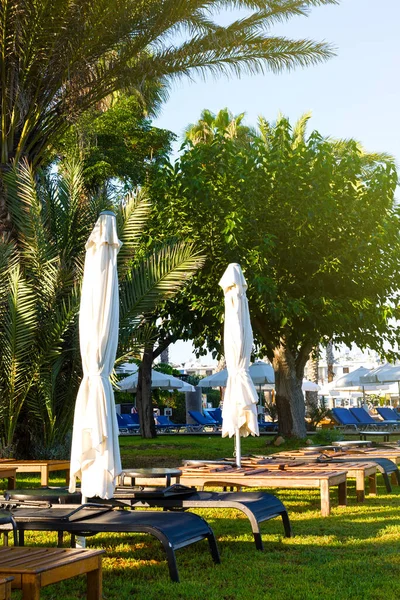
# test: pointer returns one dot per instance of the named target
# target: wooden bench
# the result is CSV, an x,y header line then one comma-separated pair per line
x,y
34,568
9,473
44,467
5,588
264,478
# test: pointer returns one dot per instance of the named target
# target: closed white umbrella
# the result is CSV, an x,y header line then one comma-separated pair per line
x,y
95,456
239,413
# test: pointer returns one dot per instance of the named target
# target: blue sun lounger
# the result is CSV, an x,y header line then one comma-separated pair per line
x,y
387,413
365,419
203,421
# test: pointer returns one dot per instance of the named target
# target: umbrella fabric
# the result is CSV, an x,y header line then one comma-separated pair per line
x,y
386,373
260,373
352,379
218,379
309,386
239,415
158,380
95,457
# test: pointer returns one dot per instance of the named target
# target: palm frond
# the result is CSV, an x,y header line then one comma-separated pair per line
x,y
131,219
60,58
159,277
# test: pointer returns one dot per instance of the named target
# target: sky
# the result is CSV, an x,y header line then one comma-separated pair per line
x,y
353,95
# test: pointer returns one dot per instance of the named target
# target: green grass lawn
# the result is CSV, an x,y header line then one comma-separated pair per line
x,y
353,553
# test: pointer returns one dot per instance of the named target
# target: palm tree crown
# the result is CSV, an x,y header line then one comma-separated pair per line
x,y
58,57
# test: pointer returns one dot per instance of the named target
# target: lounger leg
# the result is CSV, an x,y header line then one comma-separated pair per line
x,y
95,583
286,524
372,488
342,492
360,486
325,499
394,478
387,482
171,559
212,542
30,587
258,540
21,537
15,531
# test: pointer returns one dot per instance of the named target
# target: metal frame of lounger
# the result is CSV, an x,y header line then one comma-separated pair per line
x,y
173,530
257,506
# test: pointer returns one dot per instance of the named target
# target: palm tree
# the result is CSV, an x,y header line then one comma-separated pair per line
x,y
59,58
40,276
224,124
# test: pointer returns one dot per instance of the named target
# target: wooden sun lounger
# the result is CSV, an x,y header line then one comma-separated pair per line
x,y
360,471
386,459
34,568
44,467
9,473
174,530
263,478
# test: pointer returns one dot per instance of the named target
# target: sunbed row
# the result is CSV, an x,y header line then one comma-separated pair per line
x,y
360,419
211,421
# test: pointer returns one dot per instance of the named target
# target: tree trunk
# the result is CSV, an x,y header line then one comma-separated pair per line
x,y
312,375
288,393
221,364
220,367
330,360
143,396
165,356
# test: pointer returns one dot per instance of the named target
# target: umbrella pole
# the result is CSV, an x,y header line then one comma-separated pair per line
x,y
80,540
237,449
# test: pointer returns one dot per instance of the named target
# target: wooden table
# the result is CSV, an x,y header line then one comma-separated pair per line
x,y
5,588
9,473
34,568
44,467
264,478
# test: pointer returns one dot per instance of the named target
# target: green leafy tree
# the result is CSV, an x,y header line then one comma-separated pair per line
x,y
313,224
116,142
60,58
40,277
